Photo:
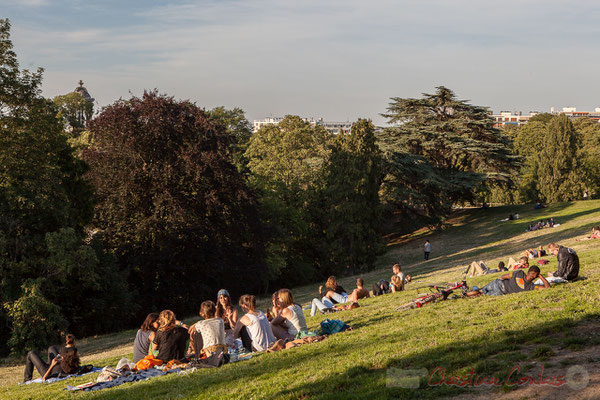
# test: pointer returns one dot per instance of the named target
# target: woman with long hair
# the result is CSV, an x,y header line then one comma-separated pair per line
x,y
253,328
170,338
144,336
61,362
227,312
291,321
331,294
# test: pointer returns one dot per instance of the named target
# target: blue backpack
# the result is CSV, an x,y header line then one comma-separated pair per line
x,y
331,326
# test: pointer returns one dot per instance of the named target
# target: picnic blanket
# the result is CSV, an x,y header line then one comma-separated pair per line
x,y
52,380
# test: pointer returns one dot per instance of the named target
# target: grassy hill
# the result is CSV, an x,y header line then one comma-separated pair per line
x,y
488,337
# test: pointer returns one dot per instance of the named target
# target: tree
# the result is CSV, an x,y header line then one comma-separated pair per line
x,y
285,162
352,210
440,151
588,136
42,195
239,128
75,111
172,205
558,167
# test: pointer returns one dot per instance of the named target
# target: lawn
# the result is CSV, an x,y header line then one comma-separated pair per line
x,y
556,329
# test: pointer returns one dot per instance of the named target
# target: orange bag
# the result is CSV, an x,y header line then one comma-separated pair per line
x,y
147,362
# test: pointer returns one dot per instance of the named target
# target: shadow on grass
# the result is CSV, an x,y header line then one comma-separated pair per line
x,y
494,354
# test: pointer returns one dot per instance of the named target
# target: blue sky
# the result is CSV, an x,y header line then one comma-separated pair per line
x,y
339,59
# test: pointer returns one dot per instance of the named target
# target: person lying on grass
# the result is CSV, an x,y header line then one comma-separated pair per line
x,y
253,328
360,292
522,263
61,362
170,339
535,253
291,321
331,294
513,282
144,336
568,263
595,234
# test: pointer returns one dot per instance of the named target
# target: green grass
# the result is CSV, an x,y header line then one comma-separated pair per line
x,y
487,335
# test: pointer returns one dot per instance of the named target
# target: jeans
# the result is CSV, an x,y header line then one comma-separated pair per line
x,y
339,298
426,255
321,305
494,288
34,360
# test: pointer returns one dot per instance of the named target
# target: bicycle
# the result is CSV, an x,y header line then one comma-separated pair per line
x,y
442,293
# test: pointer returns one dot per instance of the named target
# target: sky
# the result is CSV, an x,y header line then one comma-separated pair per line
x,y
336,59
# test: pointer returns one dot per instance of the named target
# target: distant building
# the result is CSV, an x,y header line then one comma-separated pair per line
x,y
507,118
331,127
572,113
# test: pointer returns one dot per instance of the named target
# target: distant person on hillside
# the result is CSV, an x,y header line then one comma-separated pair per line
x,y
522,263
383,286
291,321
61,362
568,263
550,222
427,249
512,282
594,235
539,206
145,336
360,292
535,253
171,337
480,268
253,328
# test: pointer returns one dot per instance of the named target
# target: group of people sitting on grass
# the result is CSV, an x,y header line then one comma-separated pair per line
x,y
518,281
541,224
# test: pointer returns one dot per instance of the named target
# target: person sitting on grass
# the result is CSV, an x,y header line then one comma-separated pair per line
x,y
253,328
170,339
275,309
228,313
208,335
522,263
360,292
568,263
513,282
290,322
61,362
595,234
383,286
144,336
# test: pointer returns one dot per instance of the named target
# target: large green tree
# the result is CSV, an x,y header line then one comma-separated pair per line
x,y
178,214
45,265
286,162
351,211
558,167
439,151
75,111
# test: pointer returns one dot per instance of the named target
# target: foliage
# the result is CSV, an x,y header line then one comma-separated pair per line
x,y
439,152
239,128
172,206
286,163
35,320
42,194
352,210
558,166
74,110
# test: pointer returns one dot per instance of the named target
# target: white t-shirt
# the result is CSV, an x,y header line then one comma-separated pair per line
x,y
212,331
427,247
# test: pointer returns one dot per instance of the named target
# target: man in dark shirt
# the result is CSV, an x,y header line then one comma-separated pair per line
x,y
568,262
514,282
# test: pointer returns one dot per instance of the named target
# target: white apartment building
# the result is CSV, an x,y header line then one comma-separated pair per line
x,y
572,113
506,118
331,127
